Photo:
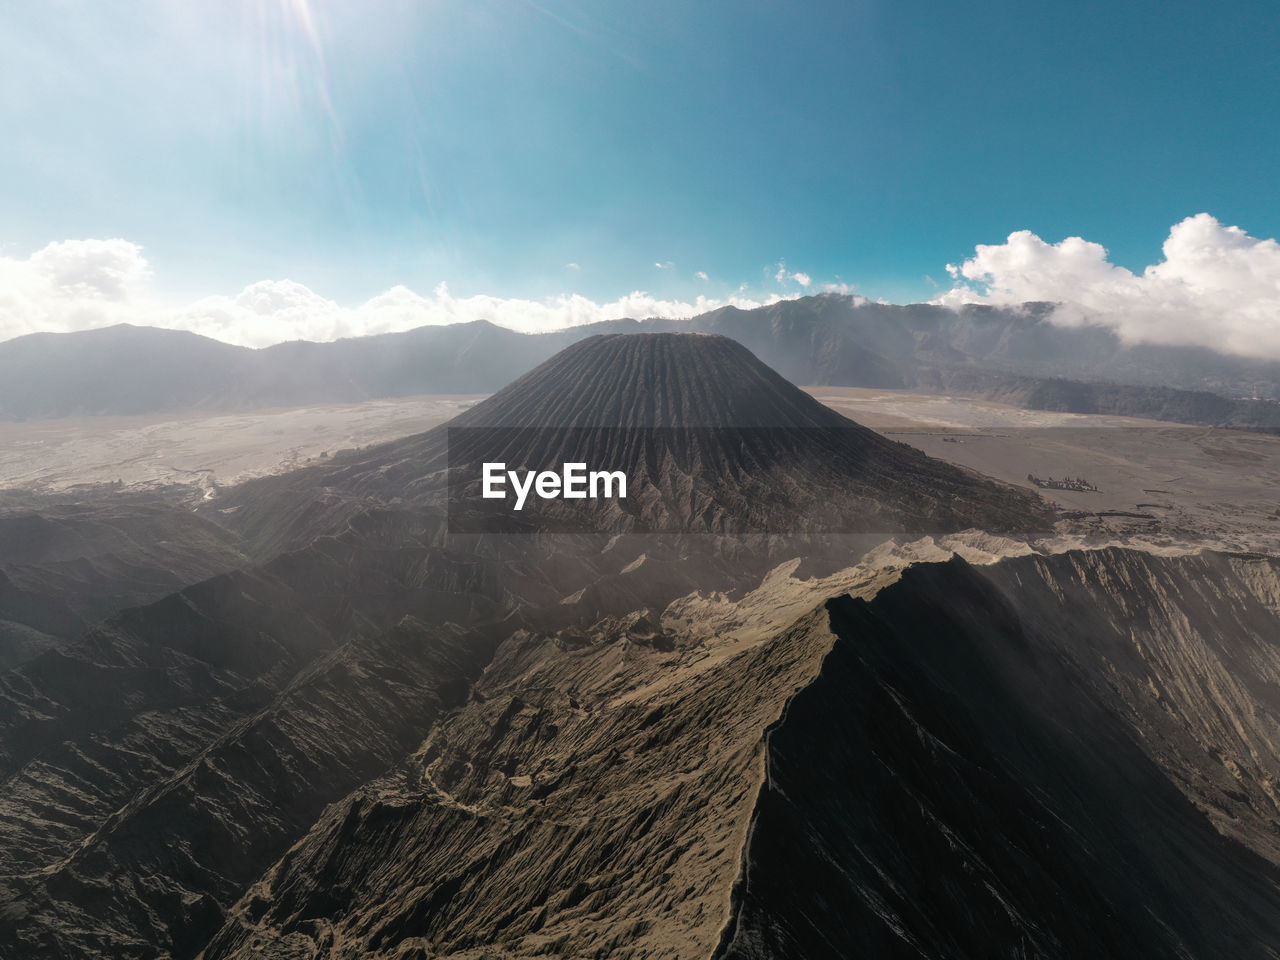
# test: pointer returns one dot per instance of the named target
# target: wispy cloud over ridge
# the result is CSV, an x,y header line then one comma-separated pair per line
x,y
82,284
1217,287
783,275
271,311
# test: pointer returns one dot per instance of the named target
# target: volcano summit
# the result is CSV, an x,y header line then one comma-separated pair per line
x,y
709,439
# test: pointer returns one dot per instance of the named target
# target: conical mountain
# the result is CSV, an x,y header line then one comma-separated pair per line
x,y
652,380
712,440
709,438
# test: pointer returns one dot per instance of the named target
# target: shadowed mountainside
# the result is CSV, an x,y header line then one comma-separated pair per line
x,y
65,566
1054,757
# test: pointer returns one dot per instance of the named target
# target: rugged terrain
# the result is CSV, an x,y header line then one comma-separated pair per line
x,y
158,765
67,565
356,732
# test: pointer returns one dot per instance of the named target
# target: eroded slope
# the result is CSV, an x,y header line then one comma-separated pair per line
x,y
551,815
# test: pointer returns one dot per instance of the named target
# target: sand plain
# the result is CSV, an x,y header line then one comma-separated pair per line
x,y
1185,483
50,456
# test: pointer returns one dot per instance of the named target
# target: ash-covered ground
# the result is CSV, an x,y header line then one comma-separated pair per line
x,y
1189,484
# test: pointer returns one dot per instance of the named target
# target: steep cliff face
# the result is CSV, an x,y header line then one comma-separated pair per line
x,y
1064,756
1055,757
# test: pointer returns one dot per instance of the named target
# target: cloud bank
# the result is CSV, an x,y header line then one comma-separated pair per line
x,y
1216,287
275,310
72,285
82,284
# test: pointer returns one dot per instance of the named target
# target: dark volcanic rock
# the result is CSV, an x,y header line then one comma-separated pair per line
x,y
973,764
155,767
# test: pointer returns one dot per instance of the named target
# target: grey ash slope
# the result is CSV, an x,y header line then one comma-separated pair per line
x,y
646,380
749,449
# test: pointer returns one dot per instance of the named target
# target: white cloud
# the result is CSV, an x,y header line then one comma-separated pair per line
x,y
665,265
268,312
294,312
572,266
71,285
700,275
783,276
110,270
82,284
1216,287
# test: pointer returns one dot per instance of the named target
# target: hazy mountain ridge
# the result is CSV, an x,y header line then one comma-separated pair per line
x,y
827,339
129,370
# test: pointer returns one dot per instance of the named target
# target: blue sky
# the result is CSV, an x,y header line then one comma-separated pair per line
x,y
353,147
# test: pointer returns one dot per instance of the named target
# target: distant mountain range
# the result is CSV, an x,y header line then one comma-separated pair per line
x,y
1012,354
